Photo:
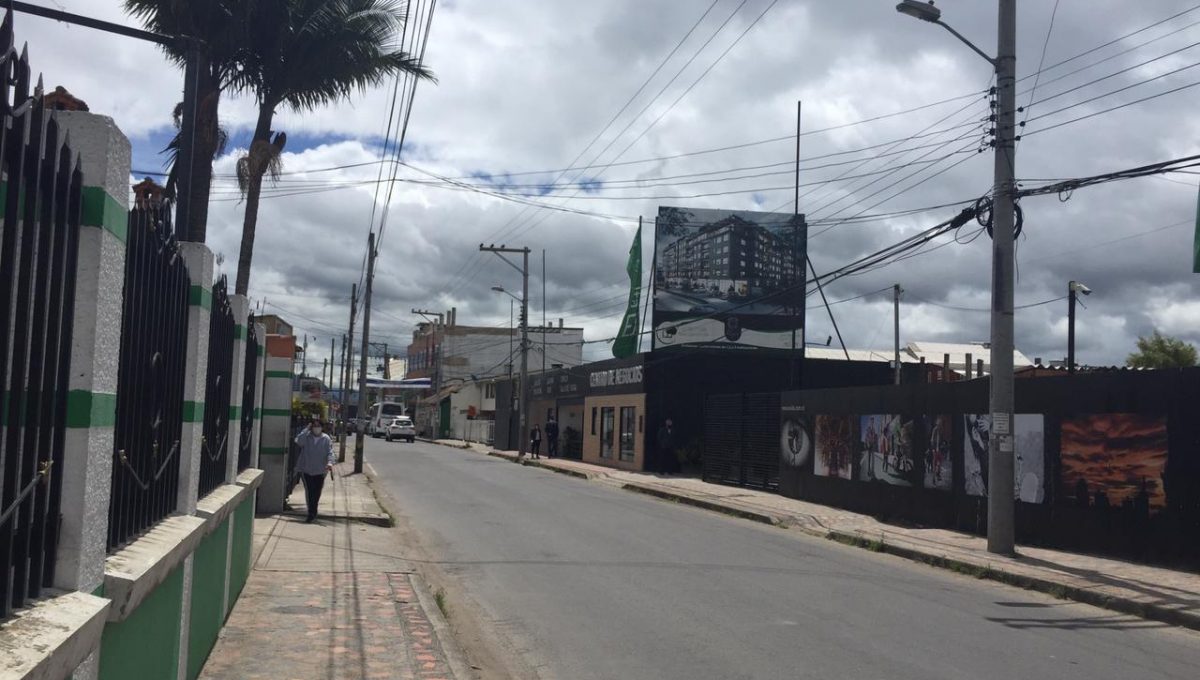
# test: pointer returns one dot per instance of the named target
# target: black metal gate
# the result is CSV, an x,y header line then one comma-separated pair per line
x,y
250,389
149,427
741,440
39,239
215,443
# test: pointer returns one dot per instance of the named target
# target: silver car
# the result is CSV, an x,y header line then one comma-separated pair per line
x,y
401,427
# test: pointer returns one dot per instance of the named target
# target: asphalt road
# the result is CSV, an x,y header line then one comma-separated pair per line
x,y
587,581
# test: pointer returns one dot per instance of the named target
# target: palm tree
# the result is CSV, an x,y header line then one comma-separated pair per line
x,y
308,54
220,27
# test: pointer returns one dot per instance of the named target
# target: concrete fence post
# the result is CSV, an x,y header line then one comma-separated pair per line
x,y
237,383
200,263
95,355
260,389
277,422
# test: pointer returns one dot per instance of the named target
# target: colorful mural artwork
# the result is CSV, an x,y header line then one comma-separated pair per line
x,y
886,449
939,468
835,446
1115,460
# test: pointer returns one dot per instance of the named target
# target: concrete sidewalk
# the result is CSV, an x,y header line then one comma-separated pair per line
x,y
333,599
1150,592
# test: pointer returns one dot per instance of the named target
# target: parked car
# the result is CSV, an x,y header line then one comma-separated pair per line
x,y
401,427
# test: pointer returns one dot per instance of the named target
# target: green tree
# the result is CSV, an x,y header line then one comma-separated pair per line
x,y
308,54
1162,351
219,26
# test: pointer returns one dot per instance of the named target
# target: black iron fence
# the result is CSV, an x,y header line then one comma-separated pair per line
x,y
250,389
153,362
215,443
40,193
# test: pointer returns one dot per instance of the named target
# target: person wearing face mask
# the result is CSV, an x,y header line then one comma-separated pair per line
x,y
315,459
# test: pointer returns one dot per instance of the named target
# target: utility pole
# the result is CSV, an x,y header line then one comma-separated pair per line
x,y
387,369
896,308
359,443
523,403
348,370
1001,534
1071,328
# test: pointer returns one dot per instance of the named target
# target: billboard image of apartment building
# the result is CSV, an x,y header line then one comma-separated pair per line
x,y
729,278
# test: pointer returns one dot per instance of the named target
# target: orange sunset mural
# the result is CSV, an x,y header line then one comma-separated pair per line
x,y
1117,454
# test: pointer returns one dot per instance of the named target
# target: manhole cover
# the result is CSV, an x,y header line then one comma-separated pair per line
x,y
298,609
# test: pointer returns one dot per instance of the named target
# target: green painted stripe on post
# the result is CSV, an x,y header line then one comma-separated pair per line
x,y
200,297
235,412
277,412
91,409
257,413
101,210
262,350
239,332
279,374
273,450
193,411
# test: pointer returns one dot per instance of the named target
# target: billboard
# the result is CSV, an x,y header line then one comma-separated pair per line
x,y
728,278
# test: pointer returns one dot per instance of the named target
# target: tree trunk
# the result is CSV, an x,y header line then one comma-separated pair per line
x,y
258,167
207,132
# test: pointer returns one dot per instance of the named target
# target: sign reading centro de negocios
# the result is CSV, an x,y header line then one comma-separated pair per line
x,y
616,377
729,278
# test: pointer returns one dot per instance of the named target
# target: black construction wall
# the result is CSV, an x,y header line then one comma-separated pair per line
x,y
1114,425
679,381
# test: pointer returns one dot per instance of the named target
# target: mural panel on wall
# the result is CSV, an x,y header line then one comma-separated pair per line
x,y
939,466
1029,468
886,449
835,446
1115,460
795,436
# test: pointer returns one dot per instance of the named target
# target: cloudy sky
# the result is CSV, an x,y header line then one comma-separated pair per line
x,y
893,112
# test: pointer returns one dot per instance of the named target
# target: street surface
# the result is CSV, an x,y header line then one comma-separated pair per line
x,y
579,580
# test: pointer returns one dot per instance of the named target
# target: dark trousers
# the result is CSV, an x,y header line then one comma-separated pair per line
x,y
313,484
552,447
535,445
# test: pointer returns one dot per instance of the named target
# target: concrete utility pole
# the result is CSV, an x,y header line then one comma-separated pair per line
x,y
348,370
1001,538
359,444
523,403
1001,533
387,369
896,308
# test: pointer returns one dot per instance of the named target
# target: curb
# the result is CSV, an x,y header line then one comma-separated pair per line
x,y
1062,591
455,658
762,517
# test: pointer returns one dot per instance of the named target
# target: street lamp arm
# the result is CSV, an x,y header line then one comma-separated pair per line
x,y
966,42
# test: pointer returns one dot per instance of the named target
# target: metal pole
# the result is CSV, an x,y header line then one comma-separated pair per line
x,y
366,348
346,379
387,359
186,158
896,309
1071,328
332,356
543,310
1000,454
510,337
524,405
792,382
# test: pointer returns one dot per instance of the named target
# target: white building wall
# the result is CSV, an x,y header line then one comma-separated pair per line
x,y
488,354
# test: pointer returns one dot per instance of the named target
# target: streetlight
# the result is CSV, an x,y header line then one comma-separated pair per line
x,y
1073,290
1000,534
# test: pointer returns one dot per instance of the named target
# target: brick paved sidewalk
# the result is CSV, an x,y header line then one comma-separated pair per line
x,y
1151,592
333,599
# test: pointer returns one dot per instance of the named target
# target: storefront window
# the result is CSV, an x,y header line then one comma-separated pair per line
x,y
627,435
606,432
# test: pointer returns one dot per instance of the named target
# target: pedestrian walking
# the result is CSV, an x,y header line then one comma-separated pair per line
x,y
535,441
552,438
315,459
666,446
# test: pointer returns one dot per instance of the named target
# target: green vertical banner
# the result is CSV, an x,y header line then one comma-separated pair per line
x,y
627,338
1196,239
